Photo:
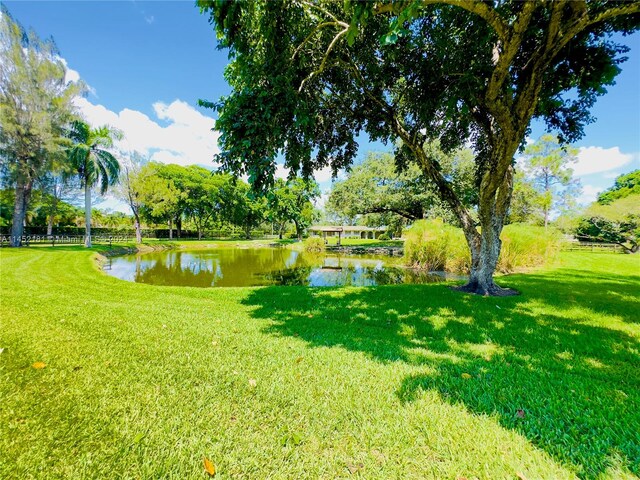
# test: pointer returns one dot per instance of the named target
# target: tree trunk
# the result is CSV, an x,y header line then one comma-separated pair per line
x,y
485,245
199,232
298,231
171,229
136,225
485,250
50,225
546,218
87,214
52,211
179,225
23,192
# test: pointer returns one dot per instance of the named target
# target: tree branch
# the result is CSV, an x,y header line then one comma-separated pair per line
x,y
316,29
325,12
319,70
447,193
479,8
625,8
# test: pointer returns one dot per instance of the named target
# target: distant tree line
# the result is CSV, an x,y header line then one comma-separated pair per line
x,y
50,154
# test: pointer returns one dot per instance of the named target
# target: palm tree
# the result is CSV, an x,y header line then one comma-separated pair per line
x,y
92,163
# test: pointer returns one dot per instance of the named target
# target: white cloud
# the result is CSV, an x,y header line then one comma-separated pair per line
x,y
597,159
589,194
71,75
185,139
282,171
322,200
323,175
611,175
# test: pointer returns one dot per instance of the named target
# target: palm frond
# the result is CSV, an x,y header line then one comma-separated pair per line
x,y
109,168
104,178
79,132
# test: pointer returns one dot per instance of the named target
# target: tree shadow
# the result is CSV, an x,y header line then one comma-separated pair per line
x,y
541,363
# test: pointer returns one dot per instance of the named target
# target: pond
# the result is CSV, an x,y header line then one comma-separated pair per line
x,y
243,267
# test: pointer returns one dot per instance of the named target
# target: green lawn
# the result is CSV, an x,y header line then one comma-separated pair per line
x,y
397,382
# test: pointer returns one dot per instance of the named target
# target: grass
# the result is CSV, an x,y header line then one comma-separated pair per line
x,y
406,382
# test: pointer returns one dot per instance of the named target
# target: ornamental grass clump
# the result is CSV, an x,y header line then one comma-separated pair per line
x,y
428,244
434,245
314,245
527,246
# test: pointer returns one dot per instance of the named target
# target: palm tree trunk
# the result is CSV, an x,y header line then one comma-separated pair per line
x,y
87,214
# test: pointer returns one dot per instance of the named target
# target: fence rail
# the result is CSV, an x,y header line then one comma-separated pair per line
x,y
594,247
5,240
26,240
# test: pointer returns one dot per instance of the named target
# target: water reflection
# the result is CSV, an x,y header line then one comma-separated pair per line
x,y
239,267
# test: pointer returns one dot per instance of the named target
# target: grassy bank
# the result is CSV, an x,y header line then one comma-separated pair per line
x,y
288,382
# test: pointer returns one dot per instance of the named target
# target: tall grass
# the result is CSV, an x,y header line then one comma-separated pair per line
x,y
314,245
434,245
526,246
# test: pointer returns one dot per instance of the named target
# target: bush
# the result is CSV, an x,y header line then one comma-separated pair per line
x,y
314,244
434,245
384,237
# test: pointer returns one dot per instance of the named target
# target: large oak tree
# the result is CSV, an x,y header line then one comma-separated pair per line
x,y
308,76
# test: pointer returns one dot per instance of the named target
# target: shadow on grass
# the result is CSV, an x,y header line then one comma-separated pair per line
x,y
543,363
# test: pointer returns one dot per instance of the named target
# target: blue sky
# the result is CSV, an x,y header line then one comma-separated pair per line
x,y
148,63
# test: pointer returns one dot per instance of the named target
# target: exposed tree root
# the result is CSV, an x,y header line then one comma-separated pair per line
x,y
491,290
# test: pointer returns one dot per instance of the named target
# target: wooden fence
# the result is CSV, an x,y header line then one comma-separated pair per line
x,y
54,240
593,247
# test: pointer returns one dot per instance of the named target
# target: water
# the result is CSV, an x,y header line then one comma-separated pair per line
x,y
242,267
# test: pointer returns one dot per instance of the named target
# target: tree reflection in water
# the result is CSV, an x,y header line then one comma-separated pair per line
x,y
238,267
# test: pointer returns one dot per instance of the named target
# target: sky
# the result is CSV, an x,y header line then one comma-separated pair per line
x,y
148,63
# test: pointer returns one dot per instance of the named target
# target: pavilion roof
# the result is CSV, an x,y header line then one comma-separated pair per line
x,y
346,228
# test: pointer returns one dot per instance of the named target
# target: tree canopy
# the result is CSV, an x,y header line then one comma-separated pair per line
x,y
292,201
386,196
309,77
616,222
625,185
35,109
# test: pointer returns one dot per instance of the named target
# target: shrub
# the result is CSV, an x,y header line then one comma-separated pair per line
x,y
434,245
314,244
384,237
